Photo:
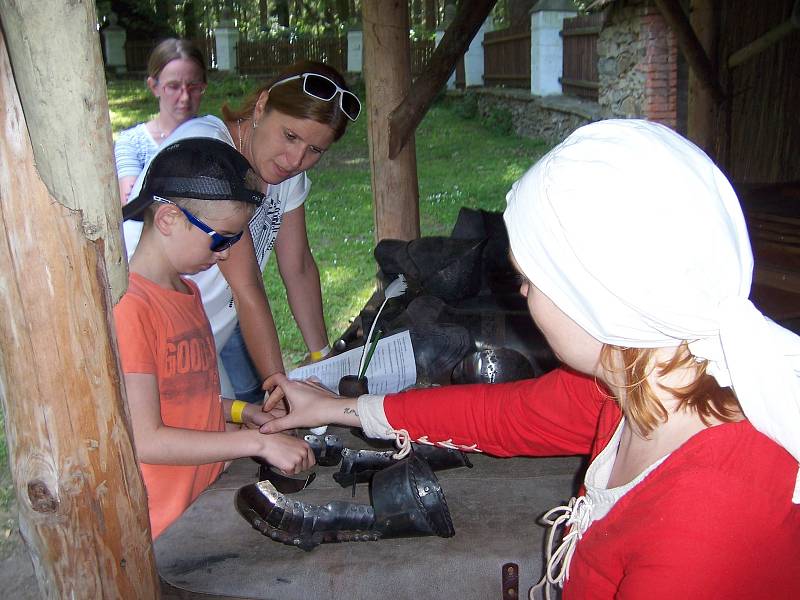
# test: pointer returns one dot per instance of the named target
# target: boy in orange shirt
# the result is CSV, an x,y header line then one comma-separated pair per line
x,y
198,196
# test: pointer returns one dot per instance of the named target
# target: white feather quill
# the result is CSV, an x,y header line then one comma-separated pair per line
x,y
397,288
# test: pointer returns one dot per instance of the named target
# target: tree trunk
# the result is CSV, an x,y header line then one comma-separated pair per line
x,y
263,15
190,22
343,10
282,12
431,12
387,72
83,507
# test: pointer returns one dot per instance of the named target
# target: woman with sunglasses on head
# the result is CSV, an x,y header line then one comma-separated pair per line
x,y
282,129
636,265
176,76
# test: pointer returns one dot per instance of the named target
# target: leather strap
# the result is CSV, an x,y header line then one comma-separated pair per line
x,y
510,578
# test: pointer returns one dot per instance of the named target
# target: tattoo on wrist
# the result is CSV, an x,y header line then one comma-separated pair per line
x,y
350,411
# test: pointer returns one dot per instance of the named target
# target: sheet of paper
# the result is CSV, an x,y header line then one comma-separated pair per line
x,y
391,369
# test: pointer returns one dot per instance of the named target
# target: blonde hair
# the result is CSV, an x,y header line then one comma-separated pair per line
x,y
640,403
290,99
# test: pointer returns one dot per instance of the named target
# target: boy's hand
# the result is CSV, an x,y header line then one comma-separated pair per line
x,y
287,453
253,417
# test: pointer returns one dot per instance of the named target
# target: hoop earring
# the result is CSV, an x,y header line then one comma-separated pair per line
x,y
255,124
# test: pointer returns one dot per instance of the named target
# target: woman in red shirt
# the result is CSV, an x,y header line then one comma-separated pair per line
x,y
637,267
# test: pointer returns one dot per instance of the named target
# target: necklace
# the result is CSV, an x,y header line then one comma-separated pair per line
x,y
160,132
248,154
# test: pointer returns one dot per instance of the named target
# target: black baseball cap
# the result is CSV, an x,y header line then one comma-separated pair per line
x,y
197,168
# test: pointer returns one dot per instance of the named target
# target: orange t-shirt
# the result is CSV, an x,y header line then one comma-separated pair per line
x,y
166,333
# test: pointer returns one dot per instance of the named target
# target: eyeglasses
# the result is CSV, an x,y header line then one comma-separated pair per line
x,y
320,87
194,88
219,242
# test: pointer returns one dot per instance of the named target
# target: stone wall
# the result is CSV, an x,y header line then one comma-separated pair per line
x,y
641,75
550,118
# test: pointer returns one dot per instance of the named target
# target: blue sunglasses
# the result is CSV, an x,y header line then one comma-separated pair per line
x,y
219,242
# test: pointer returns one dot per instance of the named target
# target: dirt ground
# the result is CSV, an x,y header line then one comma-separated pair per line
x,y
17,579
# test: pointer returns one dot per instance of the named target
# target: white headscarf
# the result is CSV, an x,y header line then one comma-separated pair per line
x,y
635,234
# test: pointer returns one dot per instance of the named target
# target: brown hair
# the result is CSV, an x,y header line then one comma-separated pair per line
x,y
290,99
640,403
171,49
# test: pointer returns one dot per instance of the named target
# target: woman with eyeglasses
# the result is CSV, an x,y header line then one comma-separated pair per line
x,y
282,129
176,75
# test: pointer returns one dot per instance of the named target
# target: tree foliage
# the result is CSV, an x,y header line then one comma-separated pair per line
x,y
152,19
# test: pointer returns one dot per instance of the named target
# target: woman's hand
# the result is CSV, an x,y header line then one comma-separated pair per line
x,y
286,452
310,405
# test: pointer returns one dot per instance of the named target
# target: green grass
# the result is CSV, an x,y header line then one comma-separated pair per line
x,y
460,162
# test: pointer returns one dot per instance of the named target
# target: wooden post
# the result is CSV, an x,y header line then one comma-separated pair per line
x,y
691,47
83,507
405,118
703,111
387,72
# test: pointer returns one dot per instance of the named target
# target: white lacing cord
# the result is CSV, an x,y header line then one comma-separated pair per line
x,y
449,444
403,442
577,516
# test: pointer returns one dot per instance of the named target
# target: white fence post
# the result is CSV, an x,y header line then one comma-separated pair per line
x,y
437,37
547,46
473,57
114,44
355,50
227,42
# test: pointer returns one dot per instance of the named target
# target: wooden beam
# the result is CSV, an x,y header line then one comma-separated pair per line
x,y
405,118
703,112
691,47
387,73
769,39
82,504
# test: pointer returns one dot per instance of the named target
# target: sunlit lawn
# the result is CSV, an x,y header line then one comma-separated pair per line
x,y
459,163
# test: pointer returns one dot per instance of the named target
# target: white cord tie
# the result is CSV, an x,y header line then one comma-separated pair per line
x,y
403,442
577,516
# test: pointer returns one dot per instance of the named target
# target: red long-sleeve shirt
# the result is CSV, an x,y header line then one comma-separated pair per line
x,y
714,520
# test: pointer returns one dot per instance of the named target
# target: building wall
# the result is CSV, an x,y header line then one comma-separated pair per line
x,y
639,65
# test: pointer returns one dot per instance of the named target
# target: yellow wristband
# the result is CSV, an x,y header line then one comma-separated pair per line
x,y
320,354
237,408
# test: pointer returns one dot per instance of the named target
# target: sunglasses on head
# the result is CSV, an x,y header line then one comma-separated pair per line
x,y
219,242
320,87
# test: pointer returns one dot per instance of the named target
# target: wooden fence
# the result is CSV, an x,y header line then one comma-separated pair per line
x,y
507,58
138,51
421,52
269,56
580,55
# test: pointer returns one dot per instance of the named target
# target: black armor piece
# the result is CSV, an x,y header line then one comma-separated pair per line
x,y
359,466
493,365
407,501
447,268
443,336
327,449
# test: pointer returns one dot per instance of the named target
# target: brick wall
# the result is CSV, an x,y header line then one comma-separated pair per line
x,y
660,68
639,66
